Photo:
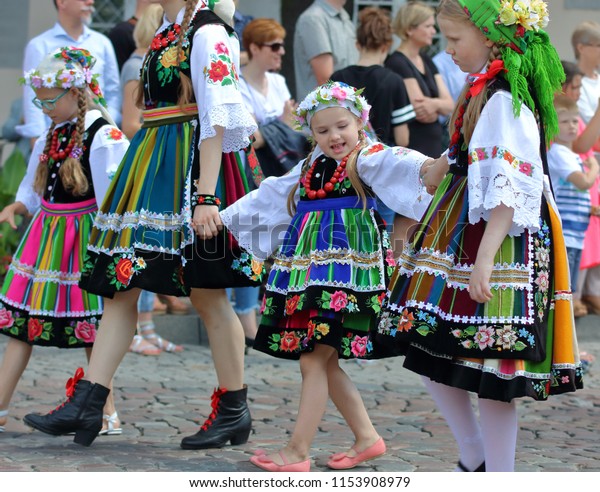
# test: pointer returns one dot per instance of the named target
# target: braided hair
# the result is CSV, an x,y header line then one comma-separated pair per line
x,y
71,171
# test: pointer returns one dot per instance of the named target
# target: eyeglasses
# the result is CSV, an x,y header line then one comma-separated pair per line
x,y
275,47
48,104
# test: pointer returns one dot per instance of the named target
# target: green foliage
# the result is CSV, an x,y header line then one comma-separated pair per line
x,y
11,175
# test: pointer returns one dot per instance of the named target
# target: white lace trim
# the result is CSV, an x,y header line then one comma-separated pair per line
x,y
44,276
487,193
131,220
433,262
237,122
136,245
323,283
493,370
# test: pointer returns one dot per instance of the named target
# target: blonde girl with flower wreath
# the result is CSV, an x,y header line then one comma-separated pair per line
x,y
159,228
66,180
480,302
330,270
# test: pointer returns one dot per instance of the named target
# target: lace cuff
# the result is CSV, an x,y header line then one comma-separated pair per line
x,y
488,193
237,122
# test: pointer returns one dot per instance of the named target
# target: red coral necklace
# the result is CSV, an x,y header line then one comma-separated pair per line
x,y
330,185
162,40
60,155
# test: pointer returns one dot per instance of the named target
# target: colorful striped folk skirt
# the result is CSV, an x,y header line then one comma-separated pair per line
x,y
40,302
520,343
327,281
142,236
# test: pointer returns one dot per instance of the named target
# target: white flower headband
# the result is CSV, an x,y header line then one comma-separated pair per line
x,y
66,68
331,95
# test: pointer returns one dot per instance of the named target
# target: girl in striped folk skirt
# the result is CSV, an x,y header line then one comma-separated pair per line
x,y
40,301
480,301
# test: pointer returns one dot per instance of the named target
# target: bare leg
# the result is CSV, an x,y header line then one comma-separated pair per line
x,y
313,402
109,406
116,330
346,398
16,358
249,324
225,336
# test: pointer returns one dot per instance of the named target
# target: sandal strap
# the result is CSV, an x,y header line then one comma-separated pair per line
x,y
3,413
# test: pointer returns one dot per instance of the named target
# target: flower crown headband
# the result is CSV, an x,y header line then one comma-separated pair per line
x,y
531,64
508,22
331,95
66,68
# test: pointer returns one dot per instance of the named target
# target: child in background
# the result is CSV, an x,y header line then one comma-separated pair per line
x,y
331,269
588,138
66,180
571,183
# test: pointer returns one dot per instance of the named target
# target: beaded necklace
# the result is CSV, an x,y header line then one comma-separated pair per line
x,y
330,185
54,154
161,40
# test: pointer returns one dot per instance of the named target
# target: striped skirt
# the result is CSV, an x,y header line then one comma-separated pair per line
x,y
327,281
520,343
40,302
142,236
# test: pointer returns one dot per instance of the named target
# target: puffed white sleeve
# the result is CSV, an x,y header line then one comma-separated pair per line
x,y
393,174
213,61
505,166
259,220
26,194
108,149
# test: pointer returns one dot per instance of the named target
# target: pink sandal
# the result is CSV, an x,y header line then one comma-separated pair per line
x,y
261,460
341,461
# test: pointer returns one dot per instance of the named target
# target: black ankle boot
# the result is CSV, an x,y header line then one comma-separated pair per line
x,y
81,413
229,421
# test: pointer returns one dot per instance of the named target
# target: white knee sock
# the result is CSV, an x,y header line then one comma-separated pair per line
x,y
455,406
499,428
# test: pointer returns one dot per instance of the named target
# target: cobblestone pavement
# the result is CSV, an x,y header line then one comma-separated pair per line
x,y
162,399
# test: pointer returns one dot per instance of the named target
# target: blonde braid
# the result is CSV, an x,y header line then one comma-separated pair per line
x,y
352,169
41,173
186,90
71,173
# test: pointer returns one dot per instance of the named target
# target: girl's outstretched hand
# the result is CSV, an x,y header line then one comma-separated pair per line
x,y
206,221
479,283
434,172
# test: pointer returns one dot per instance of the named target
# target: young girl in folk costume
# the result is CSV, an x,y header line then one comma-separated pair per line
x,y
67,177
480,301
181,165
329,275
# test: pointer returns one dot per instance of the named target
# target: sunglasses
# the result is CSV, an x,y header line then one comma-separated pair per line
x,y
275,47
48,104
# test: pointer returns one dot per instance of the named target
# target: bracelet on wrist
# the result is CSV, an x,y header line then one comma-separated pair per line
x,y
198,199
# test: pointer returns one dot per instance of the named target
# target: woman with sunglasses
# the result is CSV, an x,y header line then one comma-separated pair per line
x,y
265,92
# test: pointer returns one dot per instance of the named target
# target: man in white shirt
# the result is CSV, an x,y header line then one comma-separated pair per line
x,y
71,30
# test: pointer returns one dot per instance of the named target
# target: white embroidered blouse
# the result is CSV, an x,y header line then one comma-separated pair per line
x,y
259,220
505,166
